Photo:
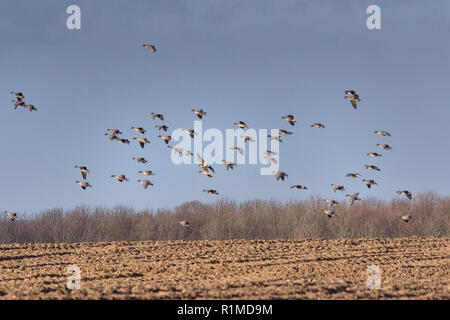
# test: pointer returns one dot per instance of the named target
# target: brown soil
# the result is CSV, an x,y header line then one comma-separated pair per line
x,y
411,268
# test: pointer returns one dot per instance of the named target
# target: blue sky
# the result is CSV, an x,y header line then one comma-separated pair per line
x,y
238,60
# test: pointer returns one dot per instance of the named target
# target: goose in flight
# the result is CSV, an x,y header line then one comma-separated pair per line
x,y
11,215
384,146
374,154
84,171
329,212
290,118
382,133
147,172
240,150
211,191
186,152
331,202
241,124
353,97
337,187
157,115
18,103
406,193
271,159
19,95
280,175
30,107
190,132
205,171
406,218
121,177
352,175
140,159
145,183
277,138
317,125
165,138
162,127
353,197
151,47
285,132
203,164
124,141
271,153
248,139
111,136
142,141
229,165
83,184
298,186
352,92
371,167
369,183
114,131
199,112
185,224
139,129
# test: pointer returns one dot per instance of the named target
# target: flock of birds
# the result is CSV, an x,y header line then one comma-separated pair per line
x,y
207,169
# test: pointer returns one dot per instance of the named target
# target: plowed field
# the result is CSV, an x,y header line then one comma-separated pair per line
x,y
410,268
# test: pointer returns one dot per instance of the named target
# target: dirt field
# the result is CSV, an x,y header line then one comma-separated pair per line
x,y
411,268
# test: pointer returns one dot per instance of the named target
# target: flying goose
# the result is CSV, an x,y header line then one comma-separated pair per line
x,y
406,193
247,139
271,153
353,97
139,129
19,95
121,177
163,127
384,146
280,175
383,133
277,138
180,151
271,159
206,172
337,187
406,218
331,202
140,160
290,118
111,136
199,112
145,183
374,154
84,171
329,212
150,46
147,172
203,164
372,167
317,125
240,150
185,224
30,107
353,197
125,141
157,115
369,183
142,141
114,131
241,124
191,133
353,93
211,191
186,152
18,103
298,186
229,165
285,132
352,175
11,215
165,138
83,184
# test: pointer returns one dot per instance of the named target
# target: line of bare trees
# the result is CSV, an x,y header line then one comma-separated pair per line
x,y
226,219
